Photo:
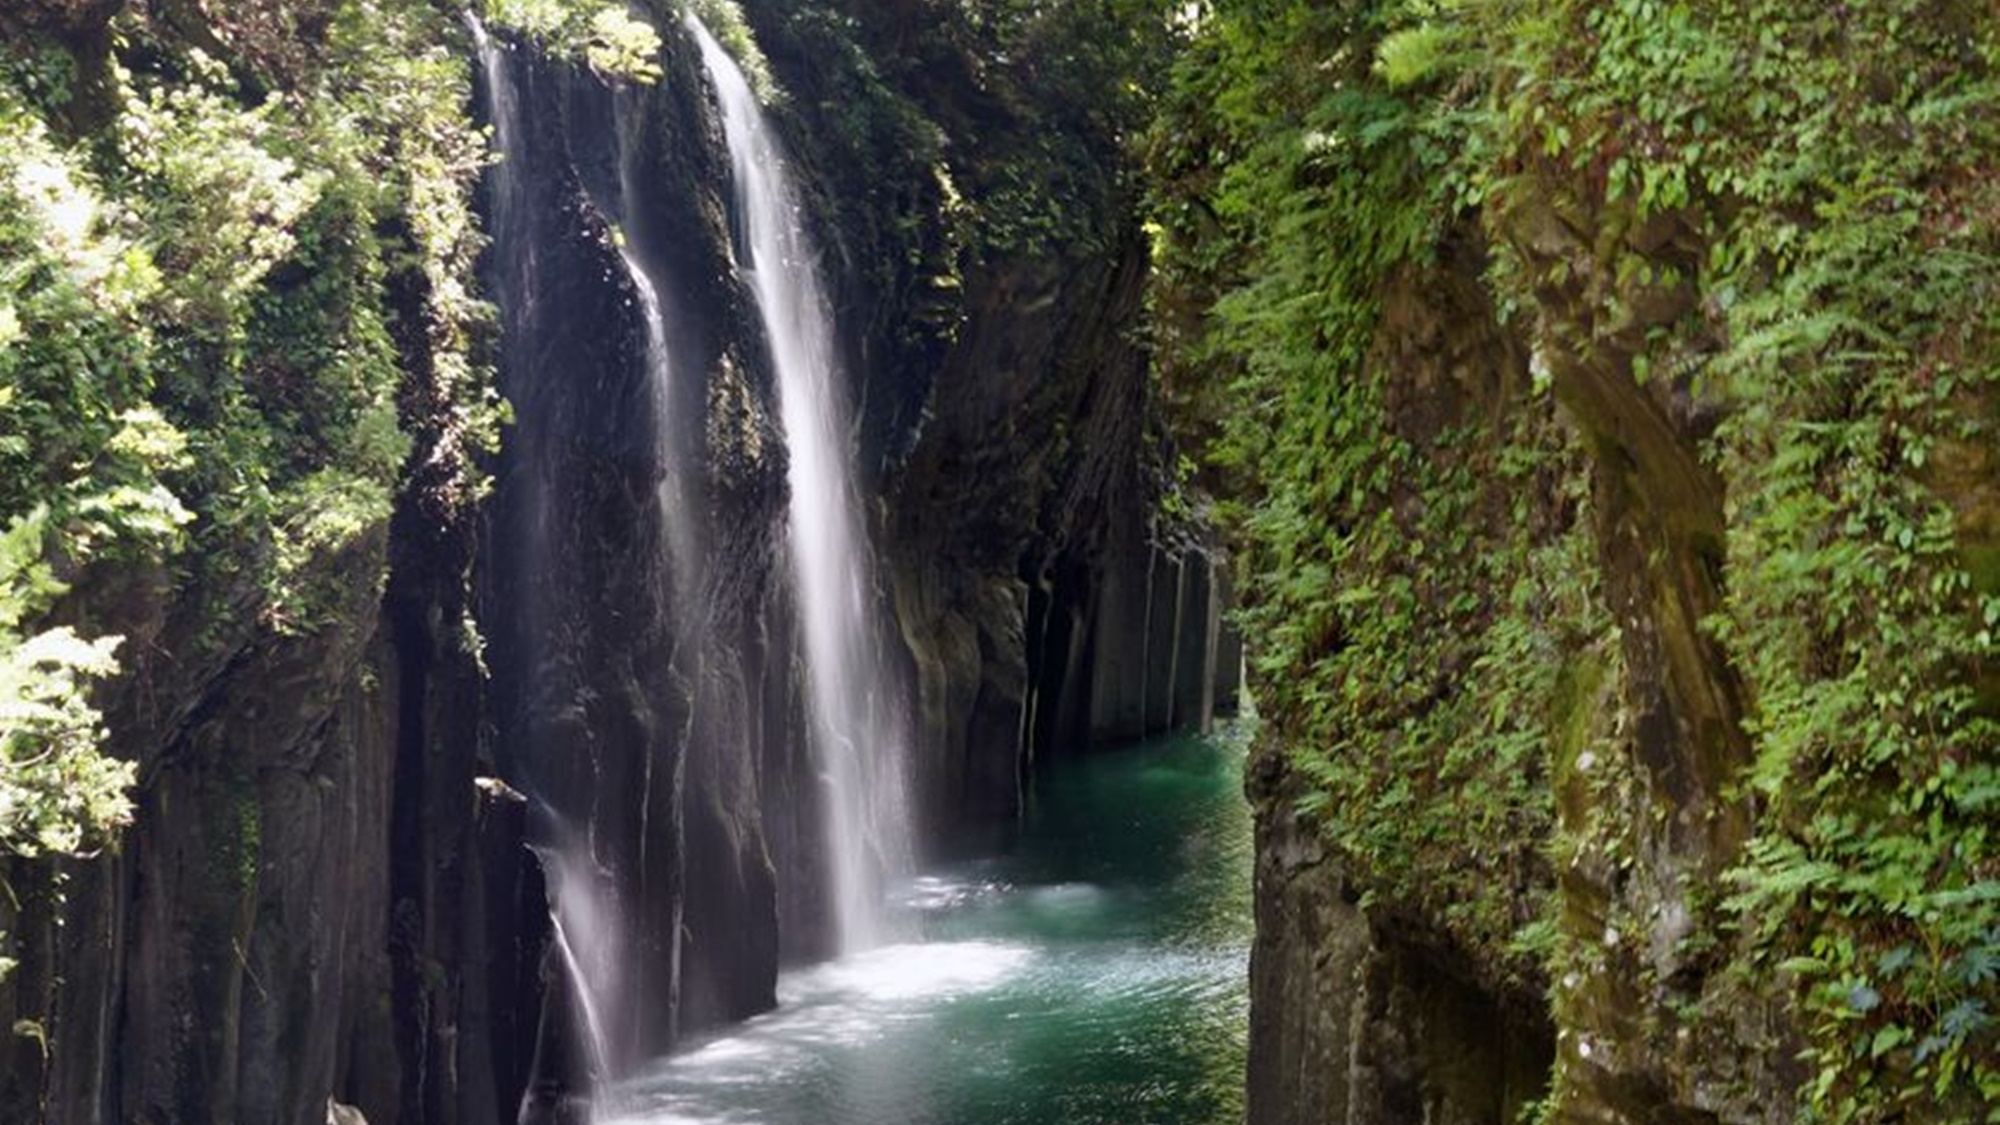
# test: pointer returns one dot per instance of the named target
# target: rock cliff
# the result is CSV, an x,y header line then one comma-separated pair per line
x,y
328,891
1595,392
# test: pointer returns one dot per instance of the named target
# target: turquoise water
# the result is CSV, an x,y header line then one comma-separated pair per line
x,y
1093,975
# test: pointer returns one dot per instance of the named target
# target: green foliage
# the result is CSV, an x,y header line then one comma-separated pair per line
x,y
1846,200
271,319
211,316
980,142
58,793
1825,181
1416,570
44,77
1023,116
1425,42
82,456
605,36
1082,78
219,202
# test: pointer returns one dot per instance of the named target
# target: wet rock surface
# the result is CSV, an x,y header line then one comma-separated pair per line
x,y
323,899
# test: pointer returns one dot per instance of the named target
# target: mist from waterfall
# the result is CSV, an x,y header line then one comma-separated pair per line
x,y
588,933
677,492
858,742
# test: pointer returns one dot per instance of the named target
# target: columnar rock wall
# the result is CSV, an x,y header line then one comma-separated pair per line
x,y
328,892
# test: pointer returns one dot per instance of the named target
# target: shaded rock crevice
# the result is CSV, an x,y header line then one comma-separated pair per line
x,y
1358,1019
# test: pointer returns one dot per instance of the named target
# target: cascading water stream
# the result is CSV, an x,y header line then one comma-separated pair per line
x,y
588,934
676,496
659,371
590,961
856,733
504,111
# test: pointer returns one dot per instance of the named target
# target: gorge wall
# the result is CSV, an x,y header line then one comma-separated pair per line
x,y
1606,429
375,642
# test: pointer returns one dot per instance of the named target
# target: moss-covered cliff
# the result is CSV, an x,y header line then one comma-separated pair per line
x,y
1606,393
237,353
1601,398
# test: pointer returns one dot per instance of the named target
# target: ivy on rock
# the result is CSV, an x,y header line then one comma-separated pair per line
x,y
1779,225
200,388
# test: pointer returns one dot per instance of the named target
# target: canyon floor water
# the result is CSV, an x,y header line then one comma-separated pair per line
x,y
1091,973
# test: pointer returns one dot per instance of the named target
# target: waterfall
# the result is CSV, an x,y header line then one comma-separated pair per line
x,y
677,497
677,450
504,111
587,930
855,726
514,272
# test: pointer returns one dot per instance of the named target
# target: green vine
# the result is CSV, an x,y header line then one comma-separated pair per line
x,y
201,381
1815,187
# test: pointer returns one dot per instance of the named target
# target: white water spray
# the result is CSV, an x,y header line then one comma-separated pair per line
x,y
502,106
587,931
855,725
585,937
676,496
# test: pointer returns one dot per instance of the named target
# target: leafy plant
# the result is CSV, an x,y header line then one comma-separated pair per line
x,y
198,380
1815,186
606,36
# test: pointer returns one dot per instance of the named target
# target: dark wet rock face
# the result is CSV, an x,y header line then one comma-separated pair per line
x,y
315,901
1356,1017
330,893
650,688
